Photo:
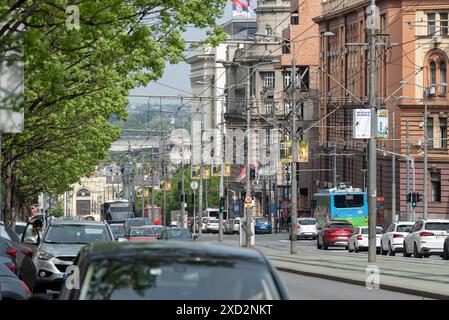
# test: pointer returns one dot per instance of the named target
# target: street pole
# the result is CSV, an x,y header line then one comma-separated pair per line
x,y
335,165
164,211
182,184
220,226
293,236
372,174
426,94
407,172
393,173
194,213
248,218
200,193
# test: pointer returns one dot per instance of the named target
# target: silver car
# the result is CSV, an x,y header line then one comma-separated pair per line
x,y
306,228
60,246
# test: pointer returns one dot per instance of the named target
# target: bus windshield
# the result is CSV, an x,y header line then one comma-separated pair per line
x,y
348,201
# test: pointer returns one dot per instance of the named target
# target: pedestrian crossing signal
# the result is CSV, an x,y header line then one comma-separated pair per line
x,y
222,204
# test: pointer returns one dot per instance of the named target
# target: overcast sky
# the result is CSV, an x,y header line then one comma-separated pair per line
x,y
177,76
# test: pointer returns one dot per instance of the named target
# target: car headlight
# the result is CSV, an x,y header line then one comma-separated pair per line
x,y
44,255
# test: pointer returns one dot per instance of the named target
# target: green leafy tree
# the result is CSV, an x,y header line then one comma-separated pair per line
x,y
77,79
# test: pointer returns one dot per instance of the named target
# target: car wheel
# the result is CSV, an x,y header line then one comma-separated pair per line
x,y
356,249
349,248
405,252
416,254
383,252
318,245
445,254
391,252
325,246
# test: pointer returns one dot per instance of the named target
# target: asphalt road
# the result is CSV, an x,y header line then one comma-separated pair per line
x,y
310,288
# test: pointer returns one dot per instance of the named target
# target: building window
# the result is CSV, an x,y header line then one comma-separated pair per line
x,y
287,79
443,132
430,132
287,107
431,24
443,78
433,73
286,47
294,18
435,180
303,73
443,24
269,105
268,30
268,79
83,193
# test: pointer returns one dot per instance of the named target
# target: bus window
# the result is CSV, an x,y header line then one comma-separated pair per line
x,y
348,201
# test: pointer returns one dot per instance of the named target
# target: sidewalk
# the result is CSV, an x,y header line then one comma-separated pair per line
x,y
422,277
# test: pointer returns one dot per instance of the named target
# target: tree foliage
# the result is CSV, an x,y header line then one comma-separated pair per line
x,y
76,79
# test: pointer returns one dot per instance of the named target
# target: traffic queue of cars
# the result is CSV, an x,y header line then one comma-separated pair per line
x,y
419,239
130,260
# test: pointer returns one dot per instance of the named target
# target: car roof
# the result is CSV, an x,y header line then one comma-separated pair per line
x,y
171,248
78,222
141,227
436,220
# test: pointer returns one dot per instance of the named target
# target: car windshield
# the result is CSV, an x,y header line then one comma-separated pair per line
x,y
178,279
437,226
366,230
79,234
214,221
118,230
136,223
341,225
307,222
404,228
142,232
178,233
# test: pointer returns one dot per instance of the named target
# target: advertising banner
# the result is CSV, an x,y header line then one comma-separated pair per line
x,y
382,123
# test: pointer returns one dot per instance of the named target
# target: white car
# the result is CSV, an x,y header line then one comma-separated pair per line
x,y
426,238
393,240
237,225
359,239
213,225
306,228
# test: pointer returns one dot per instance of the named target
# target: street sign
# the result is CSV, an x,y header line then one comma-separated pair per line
x,y
248,199
248,205
194,185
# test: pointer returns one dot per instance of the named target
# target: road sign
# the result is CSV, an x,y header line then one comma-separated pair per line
x,y
248,199
248,205
194,185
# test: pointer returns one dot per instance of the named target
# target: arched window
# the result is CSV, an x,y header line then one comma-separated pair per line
x,y
443,77
433,72
83,193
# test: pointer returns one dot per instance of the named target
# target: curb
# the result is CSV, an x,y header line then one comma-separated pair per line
x,y
414,292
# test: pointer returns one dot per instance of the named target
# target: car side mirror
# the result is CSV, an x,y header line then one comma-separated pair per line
x,y
30,240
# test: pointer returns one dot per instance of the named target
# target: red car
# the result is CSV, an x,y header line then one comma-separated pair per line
x,y
335,233
143,233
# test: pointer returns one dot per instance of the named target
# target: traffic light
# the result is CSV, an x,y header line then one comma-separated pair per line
x,y
413,199
252,174
418,197
409,197
222,204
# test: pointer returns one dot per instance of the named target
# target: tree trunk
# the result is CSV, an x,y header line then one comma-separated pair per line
x,y
8,194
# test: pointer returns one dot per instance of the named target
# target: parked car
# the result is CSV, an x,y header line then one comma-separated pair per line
x,y
446,249
263,225
178,234
20,228
335,233
306,228
393,239
60,246
174,271
11,287
157,230
213,226
137,222
426,238
229,226
359,239
20,255
144,233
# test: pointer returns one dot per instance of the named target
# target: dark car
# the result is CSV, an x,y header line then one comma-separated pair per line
x,y
263,225
157,230
446,249
178,234
21,255
174,271
118,230
335,233
11,287
137,222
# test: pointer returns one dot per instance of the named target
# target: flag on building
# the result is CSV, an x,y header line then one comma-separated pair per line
x,y
241,8
242,174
